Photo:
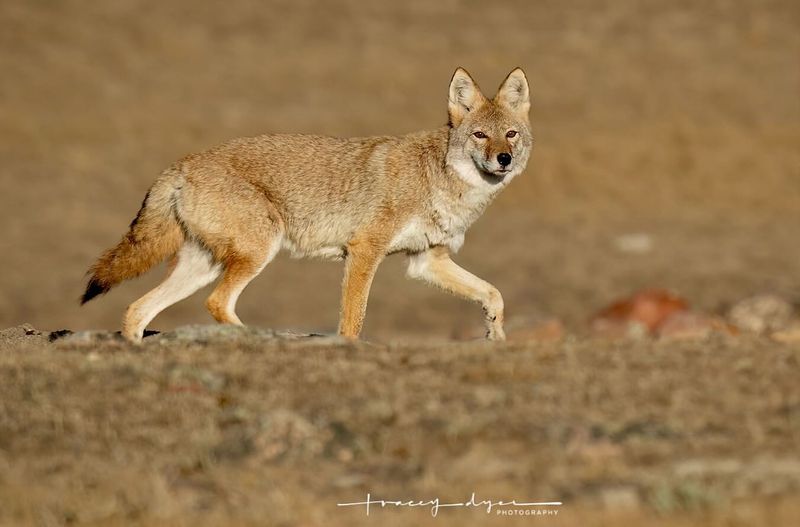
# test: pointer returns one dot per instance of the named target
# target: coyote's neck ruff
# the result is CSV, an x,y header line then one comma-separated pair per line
x,y
229,210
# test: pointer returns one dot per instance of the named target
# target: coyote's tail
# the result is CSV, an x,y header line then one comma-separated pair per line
x,y
154,235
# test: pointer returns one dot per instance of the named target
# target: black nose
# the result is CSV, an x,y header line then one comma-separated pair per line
x,y
504,159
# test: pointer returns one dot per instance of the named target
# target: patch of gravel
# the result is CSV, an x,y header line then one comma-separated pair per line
x,y
22,335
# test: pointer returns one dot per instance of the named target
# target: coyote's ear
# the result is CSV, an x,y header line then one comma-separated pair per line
x,y
464,96
514,93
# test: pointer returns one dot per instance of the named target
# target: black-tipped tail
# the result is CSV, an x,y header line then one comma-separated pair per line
x,y
93,289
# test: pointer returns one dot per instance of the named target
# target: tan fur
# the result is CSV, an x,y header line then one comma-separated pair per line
x,y
153,236
230,209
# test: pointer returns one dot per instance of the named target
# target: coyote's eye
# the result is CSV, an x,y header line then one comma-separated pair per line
x,y
511,133
479,135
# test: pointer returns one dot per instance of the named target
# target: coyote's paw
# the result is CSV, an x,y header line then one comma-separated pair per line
x,y
495,333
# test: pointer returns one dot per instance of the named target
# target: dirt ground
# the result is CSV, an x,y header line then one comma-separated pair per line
x,y
222,426
677,123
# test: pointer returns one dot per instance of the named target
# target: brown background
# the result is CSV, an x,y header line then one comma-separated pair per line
x,y
676,119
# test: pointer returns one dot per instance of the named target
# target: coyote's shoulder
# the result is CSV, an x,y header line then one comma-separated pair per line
x,y
231,208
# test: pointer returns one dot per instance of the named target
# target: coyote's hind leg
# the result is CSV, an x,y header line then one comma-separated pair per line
x,y
241,266
193,269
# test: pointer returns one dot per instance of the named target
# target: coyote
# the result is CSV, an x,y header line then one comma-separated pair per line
x,y
230,209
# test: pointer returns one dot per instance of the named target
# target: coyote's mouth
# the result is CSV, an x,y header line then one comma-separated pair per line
x,y
497,173
494,176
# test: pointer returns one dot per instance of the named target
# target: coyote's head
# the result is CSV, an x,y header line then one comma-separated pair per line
x,y
490,140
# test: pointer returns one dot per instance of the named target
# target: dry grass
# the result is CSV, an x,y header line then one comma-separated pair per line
x,y
234,427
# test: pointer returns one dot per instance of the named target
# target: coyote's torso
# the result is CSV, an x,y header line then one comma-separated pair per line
x,y
230,209
326,189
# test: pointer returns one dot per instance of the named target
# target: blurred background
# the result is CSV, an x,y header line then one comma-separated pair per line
x,y
668,144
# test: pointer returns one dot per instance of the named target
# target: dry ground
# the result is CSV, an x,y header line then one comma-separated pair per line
x,y
679,120
237,427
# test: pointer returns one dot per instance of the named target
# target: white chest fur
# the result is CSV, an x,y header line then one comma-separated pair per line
x,y
452,211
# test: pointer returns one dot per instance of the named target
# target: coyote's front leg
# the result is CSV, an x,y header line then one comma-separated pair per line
x,y
363,258
436,267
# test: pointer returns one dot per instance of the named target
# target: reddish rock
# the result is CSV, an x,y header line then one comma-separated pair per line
x,y
643,312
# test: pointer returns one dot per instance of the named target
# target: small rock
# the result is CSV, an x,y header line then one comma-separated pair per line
x,y
30,330
59,333
212,333
634,243
761,314
648,308
22,334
